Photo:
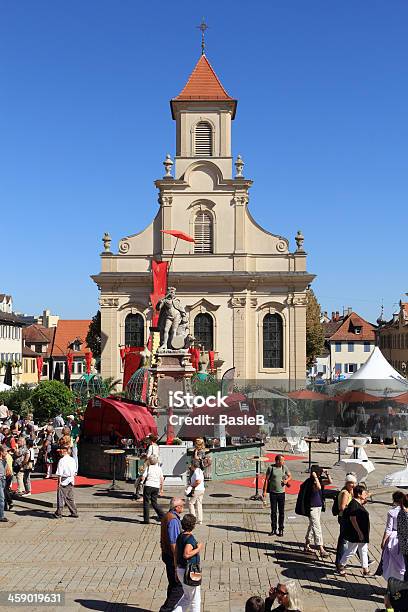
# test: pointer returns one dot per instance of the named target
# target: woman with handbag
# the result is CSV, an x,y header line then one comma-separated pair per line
x,y
188,568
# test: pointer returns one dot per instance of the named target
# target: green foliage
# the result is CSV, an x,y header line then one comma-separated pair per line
x,y
109,385
93,337
314,329
205,388
16,398
49,398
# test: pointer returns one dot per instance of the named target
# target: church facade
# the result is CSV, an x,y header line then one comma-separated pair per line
x,y
244,290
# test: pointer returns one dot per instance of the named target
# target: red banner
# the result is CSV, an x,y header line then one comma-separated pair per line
x,y
159,274
40,362
195,357
88,359
132,361
70,359
211,356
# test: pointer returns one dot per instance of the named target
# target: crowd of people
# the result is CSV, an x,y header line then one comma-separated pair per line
x,y
50,450
53,450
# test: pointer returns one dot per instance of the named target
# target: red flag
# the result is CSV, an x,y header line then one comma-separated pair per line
x,y
179,234
88,359
211,356
40,362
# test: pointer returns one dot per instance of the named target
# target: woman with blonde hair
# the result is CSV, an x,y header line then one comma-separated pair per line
x,y
202,455
287,594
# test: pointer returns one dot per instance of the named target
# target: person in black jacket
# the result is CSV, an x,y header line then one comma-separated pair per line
x,y
311,503
356,530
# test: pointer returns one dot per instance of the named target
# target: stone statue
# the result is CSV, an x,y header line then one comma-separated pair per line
x,y
173,322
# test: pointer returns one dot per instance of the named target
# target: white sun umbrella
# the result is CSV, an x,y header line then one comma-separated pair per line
x,y
376,377
4,387
397,479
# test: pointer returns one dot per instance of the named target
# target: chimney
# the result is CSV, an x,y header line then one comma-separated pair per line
x,y
349,310
337,315
325,314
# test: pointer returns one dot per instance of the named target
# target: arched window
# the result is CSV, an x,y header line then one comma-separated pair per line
x,y
272,341
203,233
204,331
203,141
134,330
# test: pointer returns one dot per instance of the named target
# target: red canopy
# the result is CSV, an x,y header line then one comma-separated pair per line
x,y
306,394
354,397
129,419
401,399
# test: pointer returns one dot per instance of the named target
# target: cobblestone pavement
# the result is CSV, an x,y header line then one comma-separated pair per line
x,y
108,560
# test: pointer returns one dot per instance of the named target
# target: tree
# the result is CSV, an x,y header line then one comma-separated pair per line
x,y
18,399
49,398
93,337
314,329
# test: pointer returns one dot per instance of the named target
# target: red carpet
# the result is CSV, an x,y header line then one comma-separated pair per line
x,y
42,485
271,456
250,482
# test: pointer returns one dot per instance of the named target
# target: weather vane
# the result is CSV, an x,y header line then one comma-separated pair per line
x,y
203,27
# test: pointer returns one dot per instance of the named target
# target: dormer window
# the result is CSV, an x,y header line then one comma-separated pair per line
x,y
75,345
203,141
357,329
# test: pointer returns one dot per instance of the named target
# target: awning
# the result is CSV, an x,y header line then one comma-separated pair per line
x,y
129,419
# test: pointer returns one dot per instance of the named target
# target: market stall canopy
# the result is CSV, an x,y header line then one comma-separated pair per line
x,y
401,399
376,376
129,419
307,394
356,397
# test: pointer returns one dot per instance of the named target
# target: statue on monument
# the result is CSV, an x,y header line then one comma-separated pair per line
x,y
173,322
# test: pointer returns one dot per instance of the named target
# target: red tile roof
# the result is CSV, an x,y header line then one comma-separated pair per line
x,y
68,331
203,84
346,331
37,334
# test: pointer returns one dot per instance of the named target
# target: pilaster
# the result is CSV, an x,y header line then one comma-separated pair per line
x,y
110,356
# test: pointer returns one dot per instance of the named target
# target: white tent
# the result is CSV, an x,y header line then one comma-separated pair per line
x,y
4,387
376,376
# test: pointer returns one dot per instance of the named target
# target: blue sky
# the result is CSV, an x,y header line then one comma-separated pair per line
x,y
321,124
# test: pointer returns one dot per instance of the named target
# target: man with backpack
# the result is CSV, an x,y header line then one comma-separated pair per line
x,y
277,478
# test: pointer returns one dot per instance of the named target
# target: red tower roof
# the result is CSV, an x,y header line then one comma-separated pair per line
x,y
203,84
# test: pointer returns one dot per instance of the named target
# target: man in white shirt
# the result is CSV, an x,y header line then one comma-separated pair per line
x,y
66,472
197,484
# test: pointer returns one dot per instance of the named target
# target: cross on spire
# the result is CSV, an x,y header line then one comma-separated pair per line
x,y
203,27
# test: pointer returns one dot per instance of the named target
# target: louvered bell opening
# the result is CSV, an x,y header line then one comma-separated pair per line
x,y
203,233
203,139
